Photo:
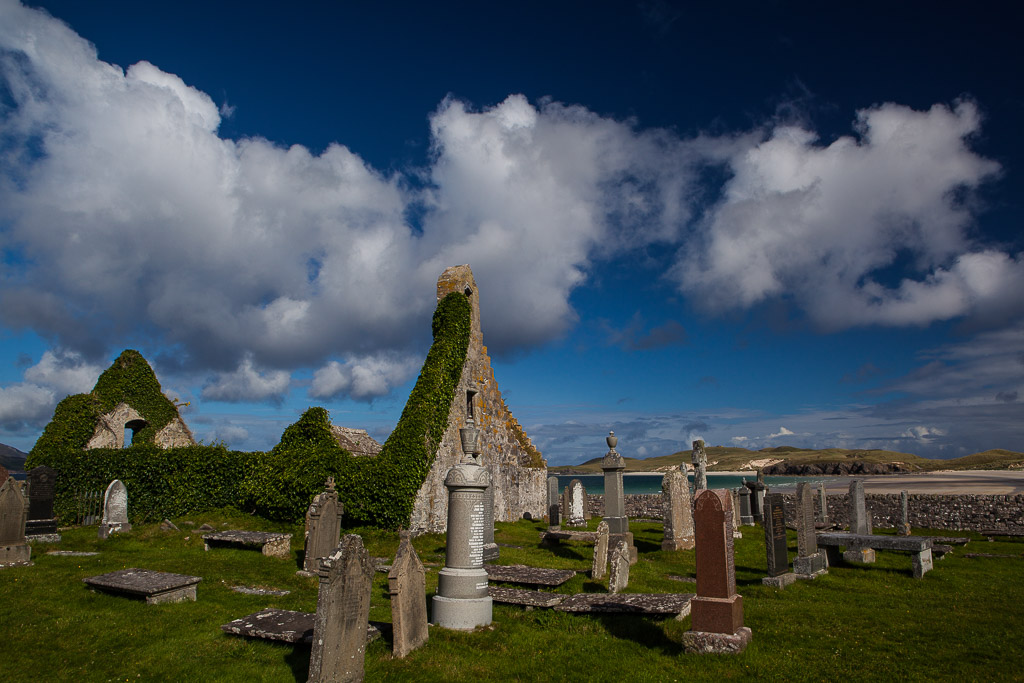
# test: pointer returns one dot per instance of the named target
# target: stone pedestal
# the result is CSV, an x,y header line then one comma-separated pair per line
x,y
865,555
746,518
462,601
615,500
811,566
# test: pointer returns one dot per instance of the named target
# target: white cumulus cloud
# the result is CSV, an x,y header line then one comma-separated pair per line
x,y
362,378
248,383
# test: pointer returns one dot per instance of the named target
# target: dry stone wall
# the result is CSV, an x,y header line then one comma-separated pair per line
x,y
520,485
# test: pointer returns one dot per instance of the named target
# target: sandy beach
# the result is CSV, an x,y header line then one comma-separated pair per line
x,y
1001,482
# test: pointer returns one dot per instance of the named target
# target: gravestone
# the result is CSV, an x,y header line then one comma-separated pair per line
x,y
614,498
618,575
757,492
577,504
904,527
154,587
14,549
810,562
823,502
860,523
699,458
115,510
407,585
675,512
342,614
41,524
554,513
776,548
462,601
600,562
736,533
746,517
717,610
323,528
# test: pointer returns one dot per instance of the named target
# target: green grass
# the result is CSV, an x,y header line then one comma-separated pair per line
x,y
964,620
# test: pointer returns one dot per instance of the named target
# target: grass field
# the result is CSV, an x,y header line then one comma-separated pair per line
x,y
963,621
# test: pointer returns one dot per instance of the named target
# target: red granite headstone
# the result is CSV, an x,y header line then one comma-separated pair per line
x,y
717,608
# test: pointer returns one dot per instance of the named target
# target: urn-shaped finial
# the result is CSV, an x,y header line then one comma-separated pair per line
x,y
612,440
470,436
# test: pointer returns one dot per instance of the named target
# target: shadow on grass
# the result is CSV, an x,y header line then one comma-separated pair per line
x,y
566,551
646,546
641,630
298,661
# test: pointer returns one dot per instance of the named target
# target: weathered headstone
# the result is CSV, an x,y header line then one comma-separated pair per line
x,y
407,585
14,549
717,610
462,601
618,558
577,504
823,502
115,510
776,547
757,493
614,498
600,562
41,524
554,515
323,528
736,533
676,513
859,524
904,527
342,614
746,517
699,458
810,562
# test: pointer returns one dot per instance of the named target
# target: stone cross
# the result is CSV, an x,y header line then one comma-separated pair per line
x,y
600,562
699,457
904,528
618,577
42,482
14,549
717,610
323,527
554,513
746,518
823,500
810,562
676,512
115,510
342,614
776,547
577,504
407,585
462,601
860,523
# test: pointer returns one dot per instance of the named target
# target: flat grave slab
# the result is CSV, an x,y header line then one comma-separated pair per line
x,y
950,540
283,625
259,590
521,596
156,587
531,576
556,536
271,544
70,553
920,547
677,604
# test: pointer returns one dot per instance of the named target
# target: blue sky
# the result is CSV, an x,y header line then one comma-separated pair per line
x,y
759,224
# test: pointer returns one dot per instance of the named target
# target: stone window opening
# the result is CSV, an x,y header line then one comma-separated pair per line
x,y
131,428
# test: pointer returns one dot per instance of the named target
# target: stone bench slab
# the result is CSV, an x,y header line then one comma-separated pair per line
x,y
156,587
271,544
677,604
521,596
911,544
532,576
284,625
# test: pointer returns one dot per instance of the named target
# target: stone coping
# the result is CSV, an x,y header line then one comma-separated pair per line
x,y
677,604
913,544
285,626
521,596
534,576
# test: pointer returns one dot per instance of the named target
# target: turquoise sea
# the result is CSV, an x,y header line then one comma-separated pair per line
x,y
651,483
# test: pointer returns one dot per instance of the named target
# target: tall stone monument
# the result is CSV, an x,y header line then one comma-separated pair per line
x,y
323,528
736,533
904,526
699,458
462,601
614,497
860,523
717,610
775,543
757,493
823,502
676,512
41,525
342,614
14,549
407,586
554,508
115,510
471,445
810,563
746,516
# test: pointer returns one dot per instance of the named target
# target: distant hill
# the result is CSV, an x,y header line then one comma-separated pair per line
x,y
11,458
791,460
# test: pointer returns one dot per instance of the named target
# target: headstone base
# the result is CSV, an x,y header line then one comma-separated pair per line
x,y
43,538
780,581
40,527
308,575
617,525
678,544
107,529
462,614
903,530
865,555
717,615
737,534
704,642
19,555
746,520
922,562
811,566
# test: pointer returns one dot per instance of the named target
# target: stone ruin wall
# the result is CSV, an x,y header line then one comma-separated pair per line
x,y
960,512
110,428
519,490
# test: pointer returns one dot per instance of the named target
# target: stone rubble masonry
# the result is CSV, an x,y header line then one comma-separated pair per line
x,y
407,586
520,486
110,428
358,442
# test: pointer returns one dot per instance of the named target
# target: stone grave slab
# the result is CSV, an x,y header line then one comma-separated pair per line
x,y
283,625
271,544
155,587
531,576
259,590
919,546
70,553
522,596
553,537
676,604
